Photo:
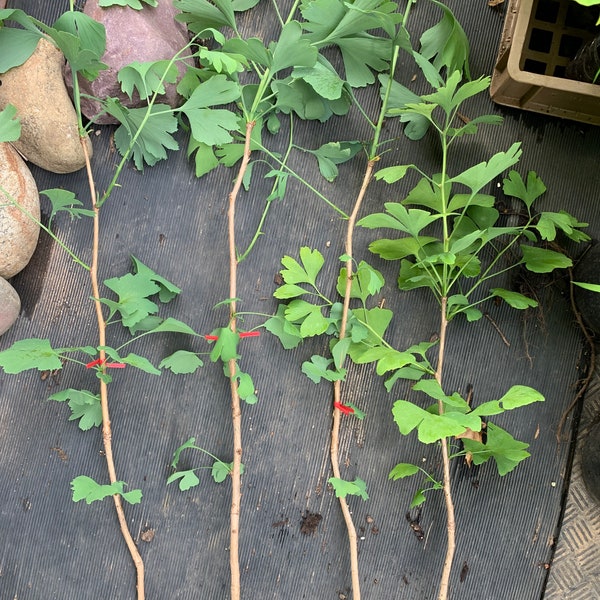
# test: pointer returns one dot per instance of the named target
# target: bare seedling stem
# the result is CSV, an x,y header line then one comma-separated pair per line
x,y
335,429
236,411
450,518
106,429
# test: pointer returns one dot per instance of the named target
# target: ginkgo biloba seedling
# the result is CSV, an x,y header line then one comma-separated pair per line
x,y
82,40
289,75
245,89
453,243
136,309
446,239
218,135
447,46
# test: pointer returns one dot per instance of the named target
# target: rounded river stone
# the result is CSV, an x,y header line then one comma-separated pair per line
x,y
49,132
10,305
18,232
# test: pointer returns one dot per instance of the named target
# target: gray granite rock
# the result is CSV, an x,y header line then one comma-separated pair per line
x,y
49,133
18,233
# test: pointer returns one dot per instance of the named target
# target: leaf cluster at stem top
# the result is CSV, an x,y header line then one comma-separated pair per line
x,y
452,239
291,74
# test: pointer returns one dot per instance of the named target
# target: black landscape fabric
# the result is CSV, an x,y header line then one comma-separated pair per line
x,y
293,541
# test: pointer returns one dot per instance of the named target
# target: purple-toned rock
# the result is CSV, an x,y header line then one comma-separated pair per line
x,y
49,131
143,35
10,305
18,232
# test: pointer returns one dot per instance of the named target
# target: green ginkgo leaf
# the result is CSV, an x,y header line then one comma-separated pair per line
x,y
30,354
84,406
343,488
10,125
181,362
543,260
187,479
402,470
85,488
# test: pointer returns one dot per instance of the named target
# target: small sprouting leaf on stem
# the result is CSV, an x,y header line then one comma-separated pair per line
x,y
343,488
226,343
366,281
190,443
64,200
332,154
187,479
221,470
402,470
245,385
418,499
356,412
85,488
345,409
